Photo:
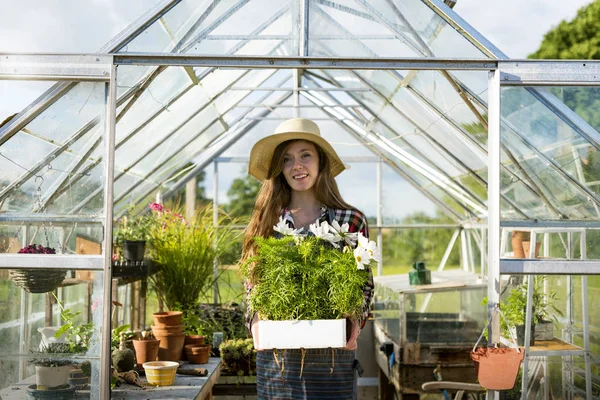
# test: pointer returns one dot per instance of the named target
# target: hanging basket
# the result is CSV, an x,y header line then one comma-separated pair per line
x,y
37,280
497,368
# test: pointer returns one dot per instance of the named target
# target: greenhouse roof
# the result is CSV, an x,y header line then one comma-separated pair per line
x,y
174,118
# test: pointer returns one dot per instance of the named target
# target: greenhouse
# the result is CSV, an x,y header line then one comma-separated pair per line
x,y
467,164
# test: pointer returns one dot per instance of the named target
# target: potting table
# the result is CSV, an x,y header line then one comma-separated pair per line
x,y
184,387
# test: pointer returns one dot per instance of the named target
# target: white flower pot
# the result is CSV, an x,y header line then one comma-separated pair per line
x,y
307,334
51,377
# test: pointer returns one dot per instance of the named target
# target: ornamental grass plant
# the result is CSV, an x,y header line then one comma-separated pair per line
x,y
311,277
184,252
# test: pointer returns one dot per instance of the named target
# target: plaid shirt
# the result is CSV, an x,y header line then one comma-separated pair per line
x,y
357,223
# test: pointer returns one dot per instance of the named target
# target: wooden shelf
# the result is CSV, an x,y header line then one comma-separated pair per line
x,y
553,345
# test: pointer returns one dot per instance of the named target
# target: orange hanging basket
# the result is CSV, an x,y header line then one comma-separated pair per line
x,y
497,368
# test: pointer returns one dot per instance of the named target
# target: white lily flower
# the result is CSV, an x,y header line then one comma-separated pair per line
x,y
283,228
342,231
370,246
361,255
322,232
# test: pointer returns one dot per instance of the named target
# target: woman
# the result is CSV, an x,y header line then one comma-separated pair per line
x,y
297,167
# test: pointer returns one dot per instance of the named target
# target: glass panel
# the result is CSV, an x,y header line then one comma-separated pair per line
x,y
530,124
338,31
376,28
171,82
20,343
228,28
76,118
401,199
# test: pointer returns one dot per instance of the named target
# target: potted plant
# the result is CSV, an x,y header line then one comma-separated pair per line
x,y
132,235
184,253
52,370
306,287
239,356
77,336
544,311
37,280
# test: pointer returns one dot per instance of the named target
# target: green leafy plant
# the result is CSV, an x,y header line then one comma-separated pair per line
x,y
49,355
77,336
205,319
115,337
239,355
304,279
514,306
184,252
133,228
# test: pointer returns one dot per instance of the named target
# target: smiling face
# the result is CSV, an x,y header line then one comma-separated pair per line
x,y
301,165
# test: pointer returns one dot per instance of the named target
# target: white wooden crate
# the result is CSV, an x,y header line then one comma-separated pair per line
x,y
307,334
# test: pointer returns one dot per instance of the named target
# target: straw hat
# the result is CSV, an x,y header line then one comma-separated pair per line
x,y
296,128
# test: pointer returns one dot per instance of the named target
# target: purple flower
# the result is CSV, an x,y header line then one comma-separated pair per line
x,y
39,249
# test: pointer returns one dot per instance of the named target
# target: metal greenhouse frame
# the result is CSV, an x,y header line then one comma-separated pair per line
x,y
456,159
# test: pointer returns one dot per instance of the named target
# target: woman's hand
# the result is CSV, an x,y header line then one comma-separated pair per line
x,y
352,332
254,330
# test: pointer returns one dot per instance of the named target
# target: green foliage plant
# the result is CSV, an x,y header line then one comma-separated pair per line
x,y
239,355
77,336
304,279
514,306
49,355
131,228
184,253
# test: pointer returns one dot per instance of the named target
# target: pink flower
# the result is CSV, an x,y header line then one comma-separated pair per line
x,y
115,257
156,207
94,305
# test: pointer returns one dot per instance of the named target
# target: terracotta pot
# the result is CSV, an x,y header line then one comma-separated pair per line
x,y
191,339
198,354
497,369
170,346
517,246
167,318
167,329
527,247
145,350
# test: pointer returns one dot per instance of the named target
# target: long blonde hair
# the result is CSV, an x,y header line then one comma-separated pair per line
x,y
275,194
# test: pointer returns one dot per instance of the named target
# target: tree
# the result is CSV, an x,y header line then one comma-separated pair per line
x,y
242,196
406,246
576,39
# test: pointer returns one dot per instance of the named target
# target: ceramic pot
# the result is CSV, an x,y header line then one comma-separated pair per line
x,y
167,329
167,318
145,350
47,378
198,354
497,368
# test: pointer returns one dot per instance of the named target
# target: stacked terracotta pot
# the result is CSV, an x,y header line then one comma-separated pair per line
x,y
191,339
198,353
168,330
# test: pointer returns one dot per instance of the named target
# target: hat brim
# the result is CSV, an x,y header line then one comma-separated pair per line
x,y
262,152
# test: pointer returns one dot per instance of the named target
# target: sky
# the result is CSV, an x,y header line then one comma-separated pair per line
x,y
83,26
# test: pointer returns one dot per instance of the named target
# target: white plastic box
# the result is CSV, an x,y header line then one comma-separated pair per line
x,y
307,334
